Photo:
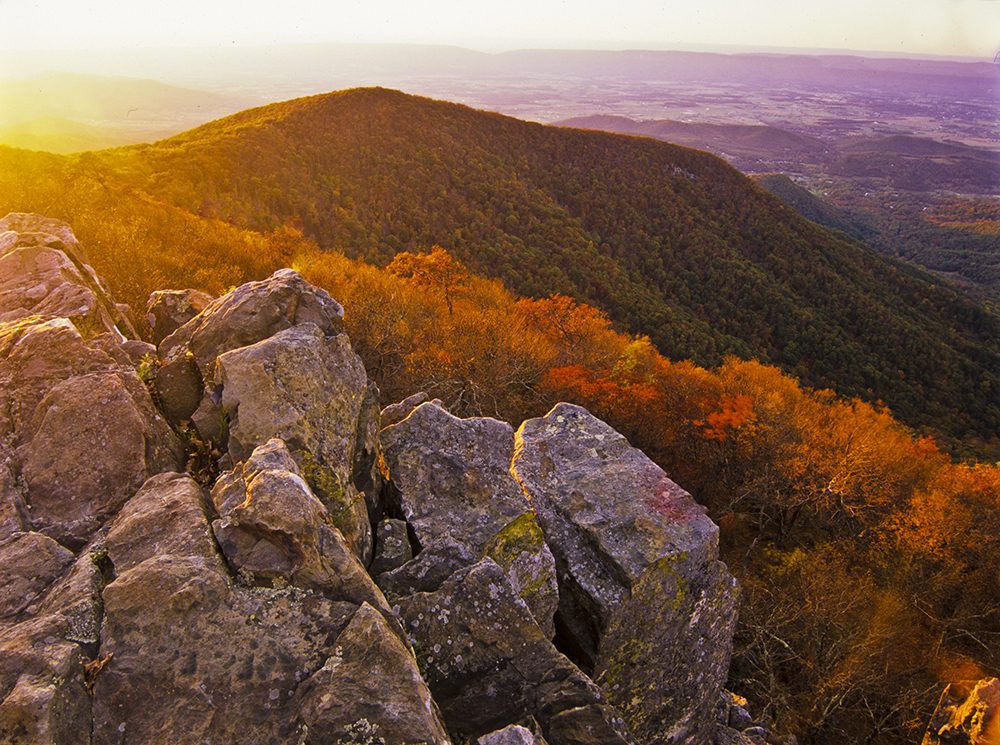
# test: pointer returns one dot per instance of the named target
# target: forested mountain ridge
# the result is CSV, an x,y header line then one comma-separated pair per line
x,y
671,242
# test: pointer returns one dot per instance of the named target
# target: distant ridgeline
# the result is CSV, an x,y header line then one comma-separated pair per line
x,y
670,242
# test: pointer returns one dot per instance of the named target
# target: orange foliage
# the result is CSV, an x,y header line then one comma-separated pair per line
x,y
735,412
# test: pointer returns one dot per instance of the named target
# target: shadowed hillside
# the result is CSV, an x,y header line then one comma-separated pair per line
x,y
671,242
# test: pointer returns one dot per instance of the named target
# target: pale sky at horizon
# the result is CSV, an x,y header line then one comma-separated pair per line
x,y
935,27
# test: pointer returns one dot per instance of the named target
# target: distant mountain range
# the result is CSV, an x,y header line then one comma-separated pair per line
x,y
67,112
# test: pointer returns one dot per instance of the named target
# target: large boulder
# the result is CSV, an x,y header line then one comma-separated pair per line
x,y
370,687
84,429
489,664
644,601
29,563
48,637
274,530
311,391
168,310
43,272
226,661
450,479
251,313
245,315
70,492
43,688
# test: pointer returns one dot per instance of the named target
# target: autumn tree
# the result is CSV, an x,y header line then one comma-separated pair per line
x,y
436,269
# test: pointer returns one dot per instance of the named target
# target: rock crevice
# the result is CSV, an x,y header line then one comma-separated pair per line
x,y
348,577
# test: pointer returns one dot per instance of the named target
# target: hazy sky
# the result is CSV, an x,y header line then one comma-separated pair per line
x,y
949,27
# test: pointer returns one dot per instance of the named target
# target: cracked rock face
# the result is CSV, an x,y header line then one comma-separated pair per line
x,y
489,664
644,601
547,586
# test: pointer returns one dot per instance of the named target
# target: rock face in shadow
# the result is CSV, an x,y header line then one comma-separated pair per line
x,y
644,601
489,664
545,586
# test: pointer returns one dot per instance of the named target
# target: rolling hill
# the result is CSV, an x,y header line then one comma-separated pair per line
x,y
671,242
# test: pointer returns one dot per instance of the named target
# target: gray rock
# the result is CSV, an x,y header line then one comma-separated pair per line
x,y
514,734
488,663
395,413
13,511
520,550
69,491
392,547
44,273
311,391
451,480
29,563
372,677
27,222
35,356
43,691
272,528
168,310
251,313
643,597
168,516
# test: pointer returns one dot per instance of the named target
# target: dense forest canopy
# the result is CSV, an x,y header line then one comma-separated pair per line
x,y
670,242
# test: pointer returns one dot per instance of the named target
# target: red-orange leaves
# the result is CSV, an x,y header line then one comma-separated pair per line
x,y
734,412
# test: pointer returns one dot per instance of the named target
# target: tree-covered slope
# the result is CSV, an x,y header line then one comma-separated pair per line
x,y
671,242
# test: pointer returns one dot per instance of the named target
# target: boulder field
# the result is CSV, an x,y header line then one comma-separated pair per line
x,y
221,539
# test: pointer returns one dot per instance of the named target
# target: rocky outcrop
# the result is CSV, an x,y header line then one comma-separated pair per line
x,y
44,273
275,532
545,586
489,664
68,390
269,360
451,481
967,717
643,600
168,310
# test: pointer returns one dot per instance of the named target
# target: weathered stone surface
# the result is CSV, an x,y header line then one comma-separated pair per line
x,y
36,355
370,685
29,563
70,493
28,222
273,528
43,694
43,272
13,511
488,663
308,390
179,387
221,663
965,717
395,413
520,550
514,734
168,310
167,516
426,571
643,597
392,547
251,313
63,400
451,481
